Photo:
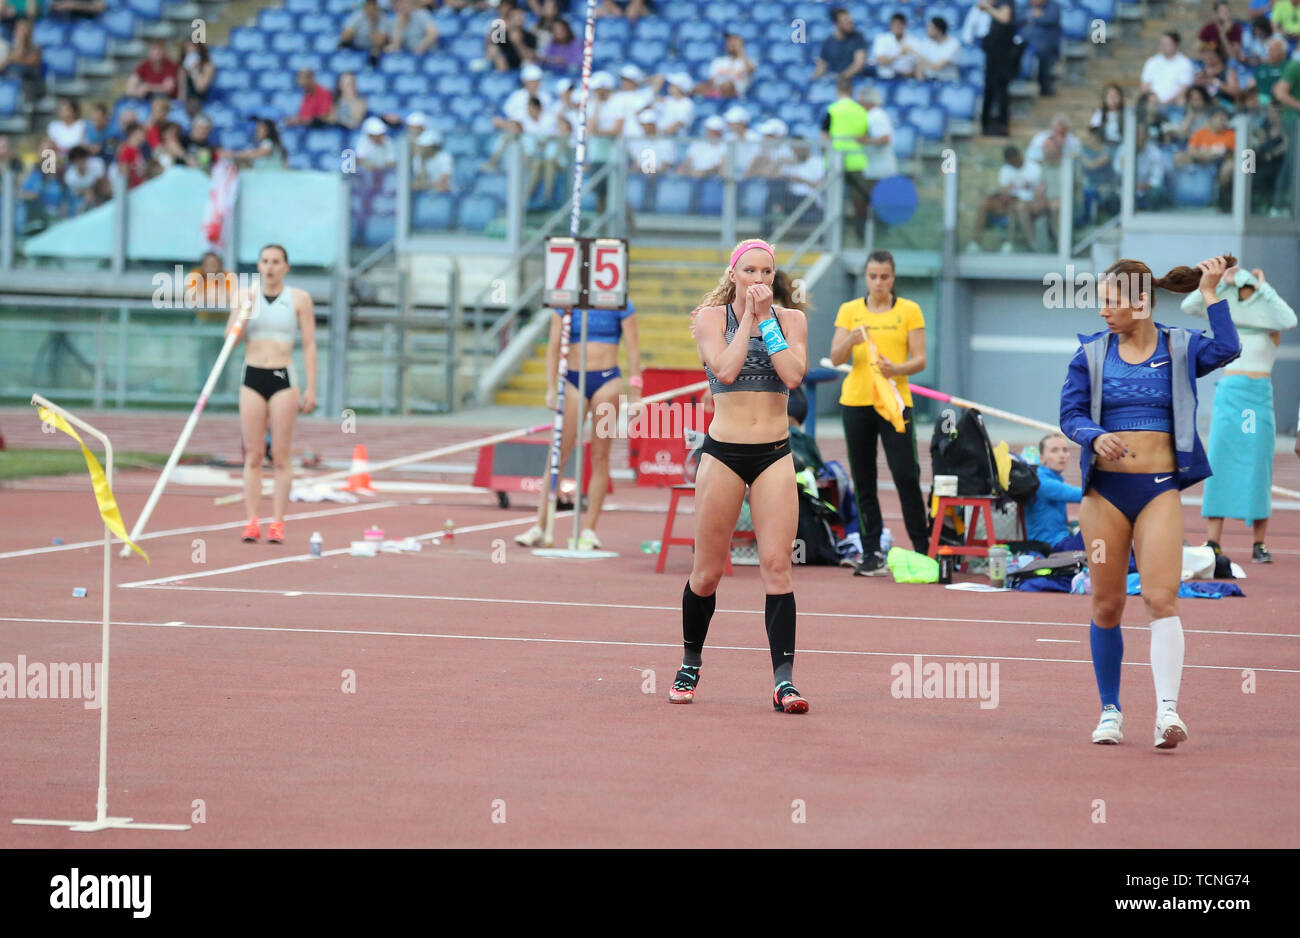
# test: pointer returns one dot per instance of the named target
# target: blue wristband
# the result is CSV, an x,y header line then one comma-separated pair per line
x,y
772,336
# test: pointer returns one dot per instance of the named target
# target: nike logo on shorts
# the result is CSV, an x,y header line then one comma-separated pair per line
x,y
1165,479
1158,364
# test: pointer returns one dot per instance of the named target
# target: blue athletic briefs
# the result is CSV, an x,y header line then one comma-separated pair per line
x,y
1137,397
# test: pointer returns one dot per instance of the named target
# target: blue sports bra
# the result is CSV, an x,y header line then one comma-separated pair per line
x,y
1137,397
757,374
603,325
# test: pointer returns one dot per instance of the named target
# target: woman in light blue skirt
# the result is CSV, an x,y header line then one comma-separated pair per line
x,y
1243,429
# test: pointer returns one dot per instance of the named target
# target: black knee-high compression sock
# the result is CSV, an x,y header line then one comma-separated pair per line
x,y
696,613
780,634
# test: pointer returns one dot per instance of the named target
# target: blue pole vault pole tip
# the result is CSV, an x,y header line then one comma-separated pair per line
x,y
894,200
79,592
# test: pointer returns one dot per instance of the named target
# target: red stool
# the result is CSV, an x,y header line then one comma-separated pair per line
x,y
975,547
687,490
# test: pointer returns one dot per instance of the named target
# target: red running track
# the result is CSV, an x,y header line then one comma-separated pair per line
x,y
490,681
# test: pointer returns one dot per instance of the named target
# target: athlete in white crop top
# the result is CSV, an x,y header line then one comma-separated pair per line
x,y
267,399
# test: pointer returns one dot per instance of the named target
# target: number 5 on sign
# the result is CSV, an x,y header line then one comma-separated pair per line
x,y
607,284
563,272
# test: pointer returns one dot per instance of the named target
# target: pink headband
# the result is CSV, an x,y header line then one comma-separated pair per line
x,y
748,245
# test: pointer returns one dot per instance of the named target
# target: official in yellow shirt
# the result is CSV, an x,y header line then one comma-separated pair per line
x,y
884,336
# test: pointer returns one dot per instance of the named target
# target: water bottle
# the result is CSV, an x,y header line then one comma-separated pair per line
x,y
316,542
886,541
945,565
449,531
998,565
650,547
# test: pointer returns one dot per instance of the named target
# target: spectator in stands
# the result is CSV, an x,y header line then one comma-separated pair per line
x,y
1270,143
631,10
890,51
1196,115
68,130
514,112
677,110
1001,63
806,173
936,54
211,289
1100,182
24,61
1286,18
1046,204
1042,33
413,29
729,73
42,197
881,159
7,159
1220,82
512,47
349,105
1150,182
774,153
172,149
160,108
843,54
563,54
1213,146
200,151
1255,40
14,11
86,180
845,127
1223,30
1019,182
649,150
1059,135
975,27
1168,73
1108,119
99,132
4,52
317,102
267,152
131,155
367,30
1270,70
1286,92
566,105
435,167
540,142
374,148
78,9
197,71
157,74
746,140
705,157
548,14
636,93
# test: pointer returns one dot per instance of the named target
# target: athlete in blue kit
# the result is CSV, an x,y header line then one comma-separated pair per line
x,y
1129,401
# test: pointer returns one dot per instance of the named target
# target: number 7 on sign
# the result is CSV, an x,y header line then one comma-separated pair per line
x,y
563,272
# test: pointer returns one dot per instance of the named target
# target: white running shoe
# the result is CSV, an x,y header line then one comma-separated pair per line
x,y
589,540
531,538
1170,730
1111,728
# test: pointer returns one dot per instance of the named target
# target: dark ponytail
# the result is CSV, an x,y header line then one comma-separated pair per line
x,y
1136,277
1187,279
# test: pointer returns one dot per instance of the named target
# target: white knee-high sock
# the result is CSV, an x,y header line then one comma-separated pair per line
x,y
1167,660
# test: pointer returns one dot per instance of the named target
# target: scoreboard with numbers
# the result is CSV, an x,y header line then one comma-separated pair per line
x,y
586,273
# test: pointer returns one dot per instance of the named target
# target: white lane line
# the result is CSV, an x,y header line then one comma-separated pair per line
x,y
301,516
677,609
160,582
597,642
1062,641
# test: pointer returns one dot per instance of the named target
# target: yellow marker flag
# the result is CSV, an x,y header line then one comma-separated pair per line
x,y
108,509
889,401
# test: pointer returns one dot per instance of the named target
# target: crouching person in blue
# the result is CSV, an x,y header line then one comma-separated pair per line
x,y
1129,402
1046,519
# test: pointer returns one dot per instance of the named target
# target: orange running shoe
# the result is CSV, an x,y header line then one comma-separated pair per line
x,y
275,533
252,532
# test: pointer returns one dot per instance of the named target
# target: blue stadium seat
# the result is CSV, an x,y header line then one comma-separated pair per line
x,y
496,85
119,23
789,53
958,100
328,162
1193,186
245,102
725,14
799,73
61,62
380,229
1100,9
930,122
286,103
904,141
276,21
482,125
347,60
275,80
697,31
673,195
821,93
680,11
89,39
1074,24
795,111
341,7
467,48
399,63
970,57
449,24
768,12
385,103
324,43
709,195
324,140
300,161
10,96
224,57
229,80
647,55
146,9
477,212
412,85
47,33
698,54
771,93
243,39
460,86
311,60
489,184
433,211
1028,64
286,43
652,29
463,173
912,94
369,82
466,108
314,23
304,6
752,198
608,28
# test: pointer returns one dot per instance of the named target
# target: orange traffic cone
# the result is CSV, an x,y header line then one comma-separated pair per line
x,y
359,476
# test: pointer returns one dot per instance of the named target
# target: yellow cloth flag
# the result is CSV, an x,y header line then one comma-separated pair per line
x,y
889,402
108,509
1002,458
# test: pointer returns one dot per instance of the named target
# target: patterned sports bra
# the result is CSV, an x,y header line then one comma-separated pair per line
x,y
757,374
